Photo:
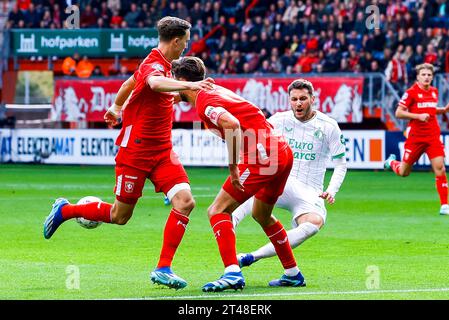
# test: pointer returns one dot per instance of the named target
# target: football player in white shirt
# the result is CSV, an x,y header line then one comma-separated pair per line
x,y
314,138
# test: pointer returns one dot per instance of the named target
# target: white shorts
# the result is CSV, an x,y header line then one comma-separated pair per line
x,y
297,198
300,199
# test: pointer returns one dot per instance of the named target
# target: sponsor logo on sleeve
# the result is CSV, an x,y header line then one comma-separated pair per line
x,y
211,113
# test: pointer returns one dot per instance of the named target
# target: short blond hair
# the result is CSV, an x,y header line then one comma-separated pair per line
x,y
425,66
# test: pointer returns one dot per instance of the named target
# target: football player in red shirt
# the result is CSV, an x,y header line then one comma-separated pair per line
x,y
419,104
265,164
146,150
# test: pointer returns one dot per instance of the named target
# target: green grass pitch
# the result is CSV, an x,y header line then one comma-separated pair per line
x,y
384,239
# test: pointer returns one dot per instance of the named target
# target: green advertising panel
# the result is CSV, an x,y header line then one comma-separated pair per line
x,y
90,42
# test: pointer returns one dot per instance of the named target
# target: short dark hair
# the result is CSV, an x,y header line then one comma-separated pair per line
x,y
301,84
189,68
172,27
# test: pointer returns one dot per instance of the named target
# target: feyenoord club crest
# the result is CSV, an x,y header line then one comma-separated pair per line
x,y
319,134
129,186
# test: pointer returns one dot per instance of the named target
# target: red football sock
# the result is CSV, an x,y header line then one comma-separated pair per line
x,y
96,211
279,239
395,164
224,234
441,183
175,228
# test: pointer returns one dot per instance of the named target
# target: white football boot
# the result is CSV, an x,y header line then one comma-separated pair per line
x,y
444,210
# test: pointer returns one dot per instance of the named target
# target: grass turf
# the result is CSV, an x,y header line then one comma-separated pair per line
x,y
384,239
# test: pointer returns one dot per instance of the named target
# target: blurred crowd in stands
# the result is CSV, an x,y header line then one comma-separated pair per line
x,y
284,36
82,67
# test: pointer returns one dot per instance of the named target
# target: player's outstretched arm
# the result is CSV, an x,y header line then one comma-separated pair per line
x,y
164,84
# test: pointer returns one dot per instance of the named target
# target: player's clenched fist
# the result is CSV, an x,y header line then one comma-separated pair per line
x,y
205,84
424,117
112,115
235,177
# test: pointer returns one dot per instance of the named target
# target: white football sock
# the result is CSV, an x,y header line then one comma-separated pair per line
x,y
232,268
242,211
296,236
291,272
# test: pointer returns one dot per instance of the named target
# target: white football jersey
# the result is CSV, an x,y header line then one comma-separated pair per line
x,y
313,143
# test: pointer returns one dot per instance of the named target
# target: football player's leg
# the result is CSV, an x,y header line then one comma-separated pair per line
x,y
176,223
262,212
440,178
412,152
279,239
263,206
118,213
242,211
275,232
170,177
128,189
436,155
219,213
308,225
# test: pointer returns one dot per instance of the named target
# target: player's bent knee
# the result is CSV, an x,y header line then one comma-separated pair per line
x,y
265,221
185,205
312,218
120,219
181,198
211,211
440,170
121,213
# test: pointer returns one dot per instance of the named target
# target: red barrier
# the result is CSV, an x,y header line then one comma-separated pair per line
x,y
341,98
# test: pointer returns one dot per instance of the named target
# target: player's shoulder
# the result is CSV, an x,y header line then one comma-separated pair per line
x,y
208,98
154,62
324,118
413,89
434,89
281,115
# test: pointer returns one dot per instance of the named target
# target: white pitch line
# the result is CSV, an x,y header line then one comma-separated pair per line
x,y
26,198
290,294
26,185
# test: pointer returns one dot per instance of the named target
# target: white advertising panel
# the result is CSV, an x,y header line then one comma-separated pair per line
x,y
364,149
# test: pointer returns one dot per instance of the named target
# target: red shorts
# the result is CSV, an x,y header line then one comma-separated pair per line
x,y
266,183
164,170
414,148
